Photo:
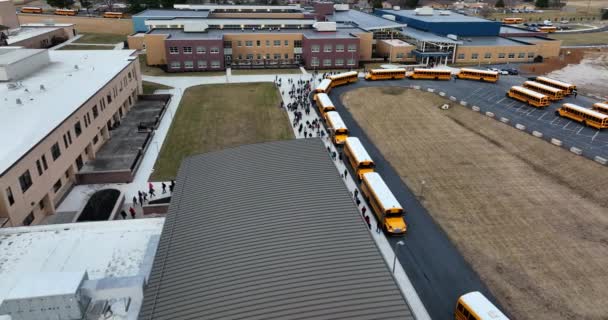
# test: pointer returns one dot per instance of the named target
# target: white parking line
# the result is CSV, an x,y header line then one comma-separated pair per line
x,y
579,130
501,100
531,111
595,135
518,109
569,122
556,118
542,115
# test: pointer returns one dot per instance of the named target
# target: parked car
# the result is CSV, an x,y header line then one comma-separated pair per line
x,y
511,71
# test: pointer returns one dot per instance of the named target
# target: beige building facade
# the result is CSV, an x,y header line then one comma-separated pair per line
x,y
395,50
39,175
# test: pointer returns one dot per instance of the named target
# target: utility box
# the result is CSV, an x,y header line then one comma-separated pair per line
x,y
46,295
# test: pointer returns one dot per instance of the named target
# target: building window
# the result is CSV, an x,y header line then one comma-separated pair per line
x,y
258,43
501,56
530,54
277,43
188,64
352,47
202,64
95,112
511,55
327,48
250,56
25,181
44,165
239,43
77,128
10,196
215,50
316,48
55,151
29,219
79,162
57,186
460,56
399,55
287,56
39,167
286,42
175,65
187,50
488,55
109,98
95,139
339,62
350,62
521,55
259,56
173,50
268,56
215,64
277,56
339,48
202,50
41,204
474,56
70,137
249,43
314,62
65,141
268,43
297,43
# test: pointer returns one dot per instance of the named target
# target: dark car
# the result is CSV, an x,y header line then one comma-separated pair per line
x,y
512,71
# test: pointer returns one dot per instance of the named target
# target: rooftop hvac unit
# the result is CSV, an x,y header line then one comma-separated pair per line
x,y
396,8
195,27
424,11
389,17
325,26
341,7
444,13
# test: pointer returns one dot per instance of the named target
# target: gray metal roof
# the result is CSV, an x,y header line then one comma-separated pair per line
x,y
363,20
172,13
426,36
491,41
267,231
436,16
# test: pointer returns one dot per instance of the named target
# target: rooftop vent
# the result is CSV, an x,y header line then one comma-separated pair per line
x,y
424,11
42,88
396,8
19,101
75,67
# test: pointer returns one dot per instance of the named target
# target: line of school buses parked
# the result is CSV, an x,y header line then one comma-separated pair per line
x,y
70,12
385,206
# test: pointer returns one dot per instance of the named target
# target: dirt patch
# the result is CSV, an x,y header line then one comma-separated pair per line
x,y
527,215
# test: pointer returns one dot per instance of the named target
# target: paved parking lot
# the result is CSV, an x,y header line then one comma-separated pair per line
x,y
491,97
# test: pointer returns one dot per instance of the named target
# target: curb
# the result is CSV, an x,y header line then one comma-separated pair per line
x,y
576,150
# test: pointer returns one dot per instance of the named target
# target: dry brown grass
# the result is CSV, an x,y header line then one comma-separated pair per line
x,y
531,218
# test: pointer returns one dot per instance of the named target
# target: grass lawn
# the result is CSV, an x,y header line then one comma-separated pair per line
x,y
101,38
158,72
214,117
239,72
150,87
581,38
85,47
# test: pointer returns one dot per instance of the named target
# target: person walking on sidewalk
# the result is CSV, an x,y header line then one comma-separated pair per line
x,y
123,214
164,186
369,225
134,200
132,211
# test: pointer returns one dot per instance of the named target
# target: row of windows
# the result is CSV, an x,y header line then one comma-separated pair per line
x,y
328,62
329,48
201,64
502,55
260,56
258,43
188,50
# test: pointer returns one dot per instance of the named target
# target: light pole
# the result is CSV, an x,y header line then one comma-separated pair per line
x,y
398,243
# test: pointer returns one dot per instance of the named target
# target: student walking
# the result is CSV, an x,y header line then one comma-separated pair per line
x,y
123,214
171,186
134,200
164,186
132,211
369,225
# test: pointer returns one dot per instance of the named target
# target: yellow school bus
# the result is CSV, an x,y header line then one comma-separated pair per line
x,y
554,94
383,203
512,20
343,78
324,103
528,96
586,117
548,29
567,87
66,12
382,74
475,74
433,74
113,15
600,107
475,306
357,157
324,86
336,127
31,10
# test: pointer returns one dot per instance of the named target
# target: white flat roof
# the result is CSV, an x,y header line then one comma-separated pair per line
x,y
27,33
66,89
46,284
397,43
106,249
212,7
228,21
381,190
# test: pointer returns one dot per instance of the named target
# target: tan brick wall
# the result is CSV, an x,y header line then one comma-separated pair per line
x,y
263,49
495,52
83,24
549,49
385,49
136,43
7,15
155,49
365,45
42,187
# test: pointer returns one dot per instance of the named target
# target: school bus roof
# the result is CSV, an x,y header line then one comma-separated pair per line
x,y
335,120
529,92
433,70
490,72
542,86
324,84
557,82
357,150
482,306
585,110
383,193
343,75
324,100
387,70
601,105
